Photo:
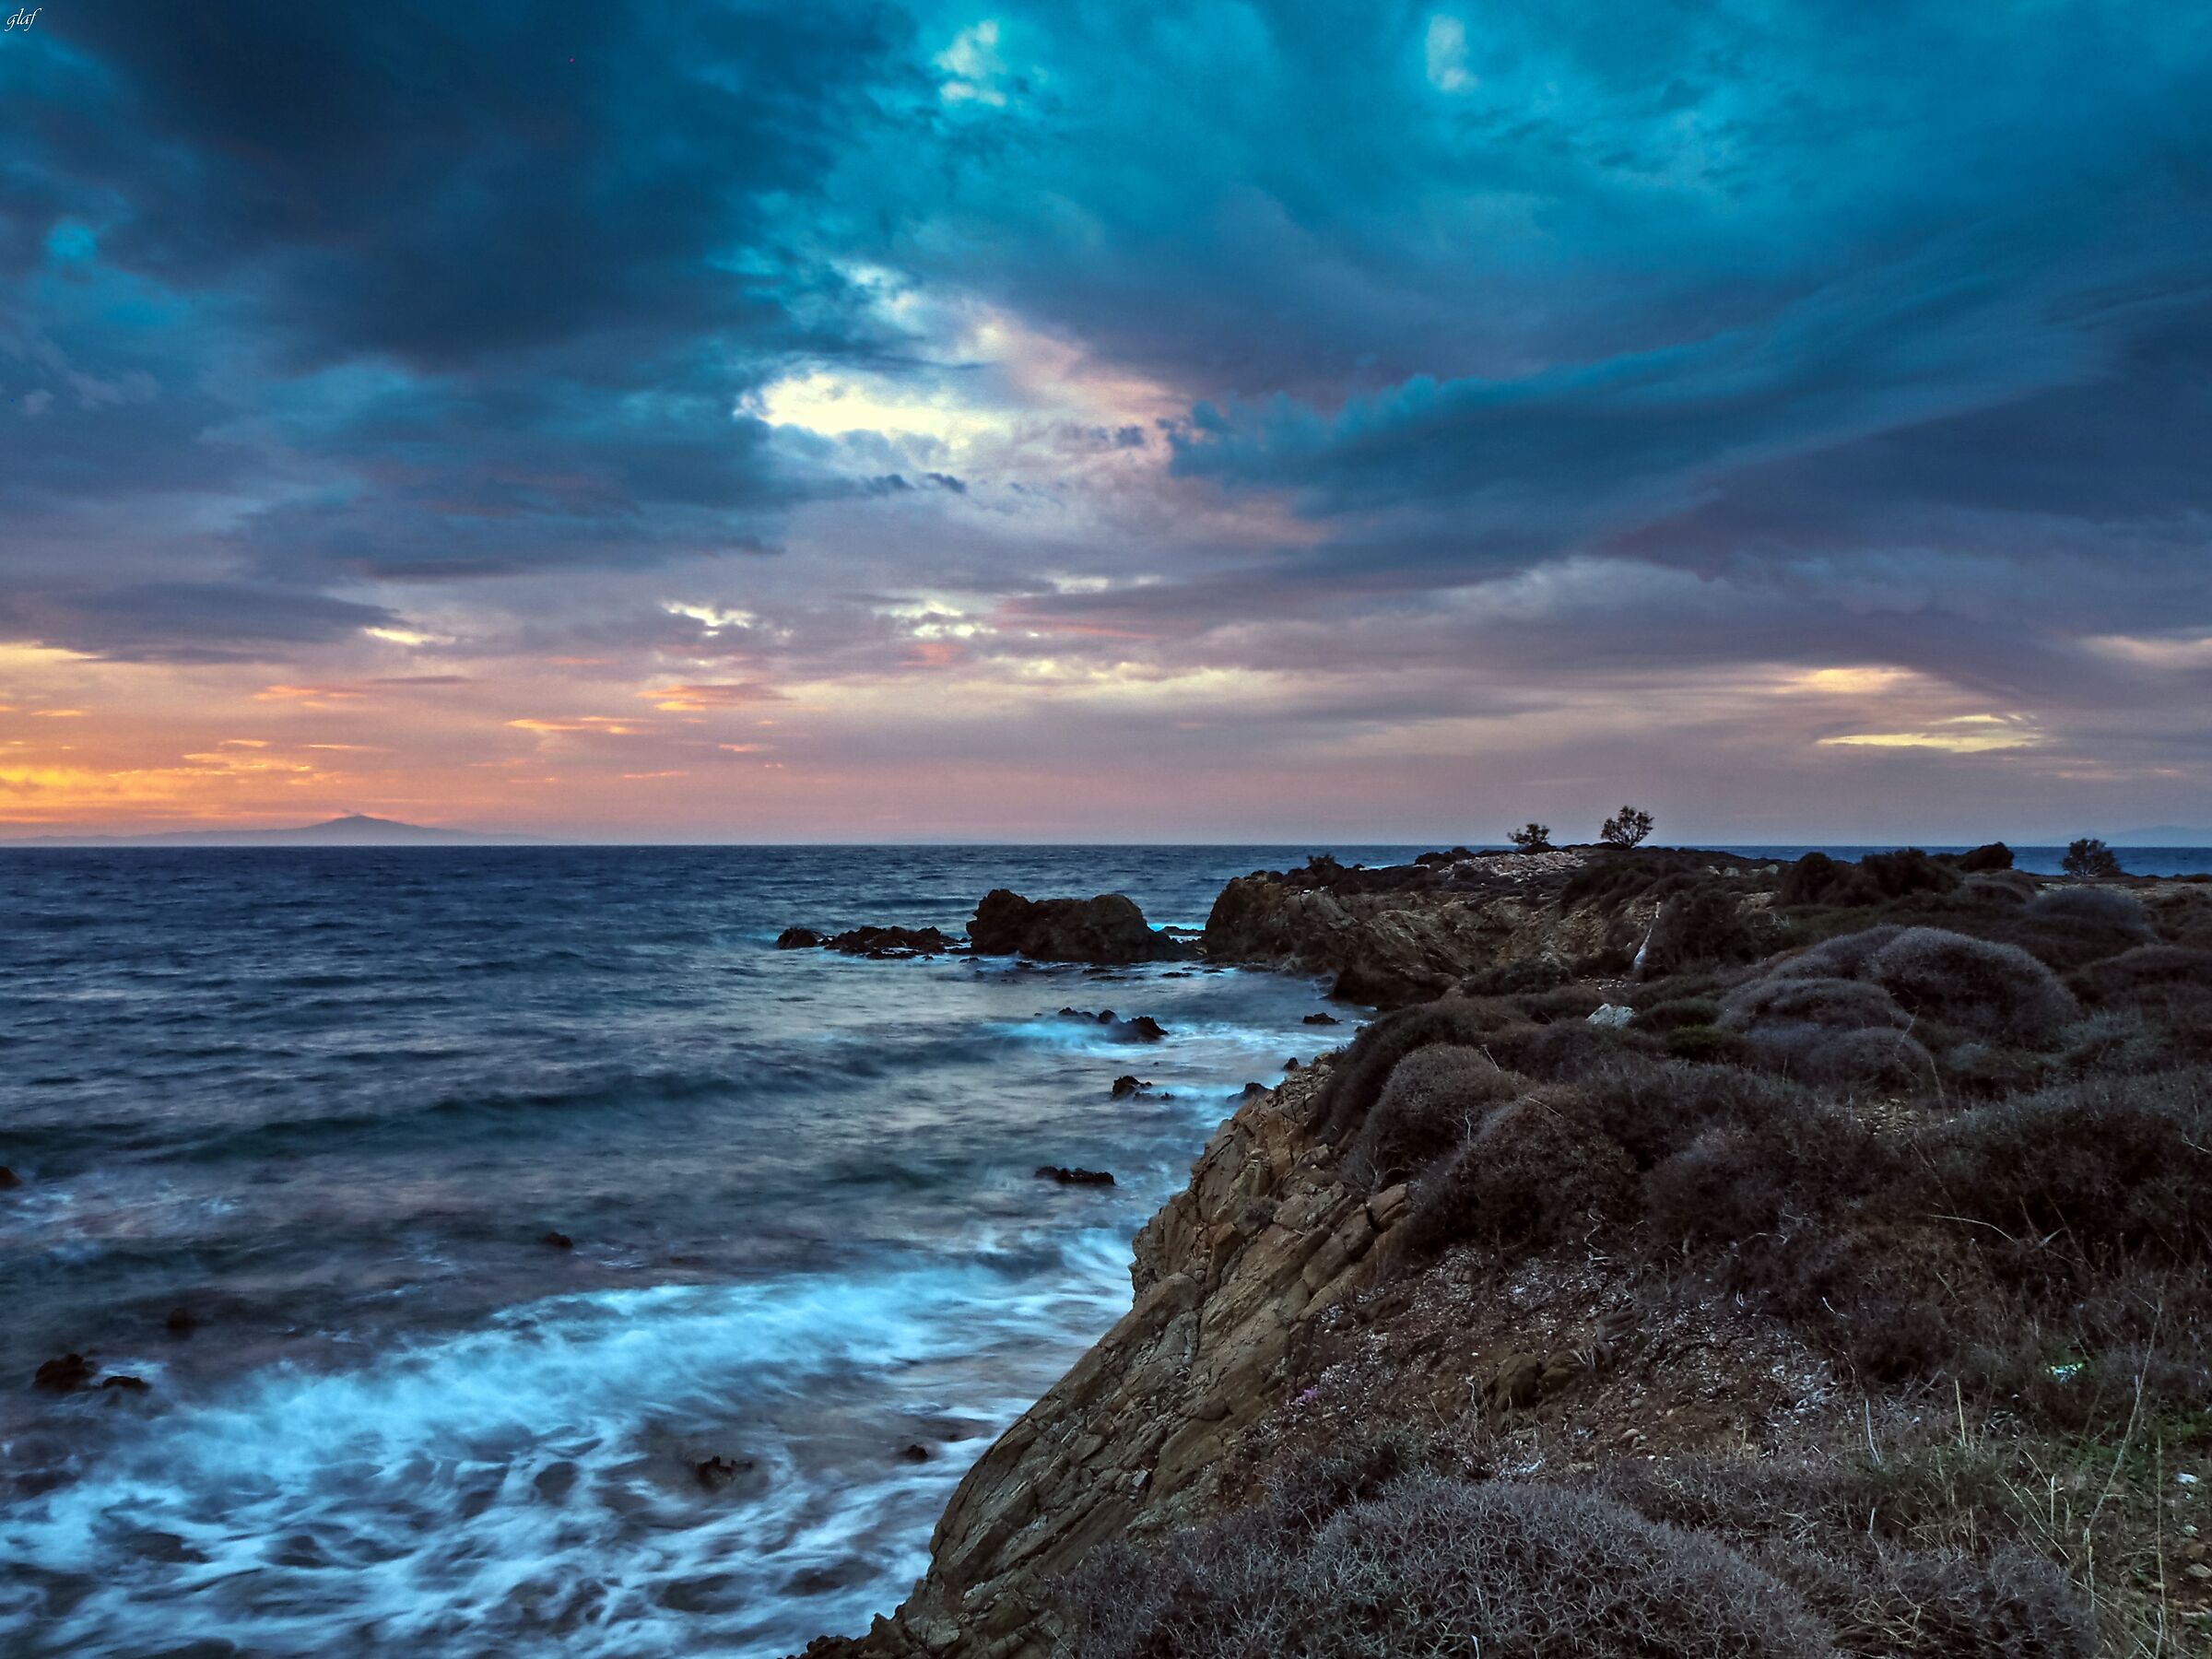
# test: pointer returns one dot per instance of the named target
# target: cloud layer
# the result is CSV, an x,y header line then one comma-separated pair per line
x,y
858,419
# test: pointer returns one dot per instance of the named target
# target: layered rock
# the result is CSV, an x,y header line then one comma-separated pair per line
x,y
1108,930
1410,933
1230,1276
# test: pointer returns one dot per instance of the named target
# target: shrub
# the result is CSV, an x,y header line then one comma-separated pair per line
x,y
2101,907
1534,1171
1702,925
1993,990
1431,1566
1818,880
1997,887
1626,828
1844,957
1434,1100
1509,978
1706,1044
1720,1188
1654,1108
1905,872
1870,1057
1993,856
1532,837
2094,1165
2089,859
1839,1004
1679,1011
2146,965
1376,1050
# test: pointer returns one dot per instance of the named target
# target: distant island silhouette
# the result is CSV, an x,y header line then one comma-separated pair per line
x,y
349,830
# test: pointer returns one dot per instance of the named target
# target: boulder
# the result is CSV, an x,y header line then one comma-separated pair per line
x,y
64,1375
559,1240
884,944
1319,1019
797,938
1125,1085
1142,1028
718,1471
1107,930
1067,1177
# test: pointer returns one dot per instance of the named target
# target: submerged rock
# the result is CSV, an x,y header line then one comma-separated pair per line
x,y
559,1240
64,1375
181,1322
1108,930
1067,1177
884,944
1127,1085
1321,1019
8,1178
131,1384
917,1452
1143,1028
717,1471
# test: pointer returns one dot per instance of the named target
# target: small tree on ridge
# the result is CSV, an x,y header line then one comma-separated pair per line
x,y
1532,837
2090,857
1626,828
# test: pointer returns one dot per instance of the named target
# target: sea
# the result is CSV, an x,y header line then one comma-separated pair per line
x,y
328,1107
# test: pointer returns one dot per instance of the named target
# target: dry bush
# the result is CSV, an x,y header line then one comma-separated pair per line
x,y
1678,1011
2005,887
1357,1082
2101,907
1435,1098
2089,1172
1566,1049
2147,965
1870,1057
1710,1045
1872,1549
1839,1004
1433,1567
1533,1172
1843,957
1990,989
1705,925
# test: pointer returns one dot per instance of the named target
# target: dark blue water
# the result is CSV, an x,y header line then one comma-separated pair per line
x,y
331,1101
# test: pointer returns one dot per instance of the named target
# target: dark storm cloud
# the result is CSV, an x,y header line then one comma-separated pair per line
x,y
198,622
447,183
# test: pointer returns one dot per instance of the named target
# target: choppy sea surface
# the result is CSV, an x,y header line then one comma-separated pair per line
x,y
331,1102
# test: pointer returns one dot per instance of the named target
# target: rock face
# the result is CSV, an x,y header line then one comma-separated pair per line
x,y
1406,933
1229,1277
1107,930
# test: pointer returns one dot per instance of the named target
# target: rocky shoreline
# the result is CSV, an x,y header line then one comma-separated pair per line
x,y
1496,1307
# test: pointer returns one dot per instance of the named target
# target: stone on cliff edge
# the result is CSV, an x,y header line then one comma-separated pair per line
x,y
1108,930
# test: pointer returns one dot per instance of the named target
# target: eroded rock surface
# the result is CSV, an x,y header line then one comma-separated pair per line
x,y
1108,930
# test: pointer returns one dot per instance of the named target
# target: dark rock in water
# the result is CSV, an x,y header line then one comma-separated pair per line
x,y
1067,1177
1321,1019
65,1375
1108,930
917,1452
181,1322
1123,1086
797,938
133,1385
717,1471
559,1240
1253,1090
889,944
1143,1029
8,1178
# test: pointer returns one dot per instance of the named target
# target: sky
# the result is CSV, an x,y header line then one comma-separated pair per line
x,y
1210,421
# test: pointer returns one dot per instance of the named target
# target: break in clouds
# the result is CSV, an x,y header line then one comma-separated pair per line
x,y
841,419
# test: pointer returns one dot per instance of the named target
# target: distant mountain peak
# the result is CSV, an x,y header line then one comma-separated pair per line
x,y
348,829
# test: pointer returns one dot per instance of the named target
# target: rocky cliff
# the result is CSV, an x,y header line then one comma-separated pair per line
x,y
1408,933
1230,1276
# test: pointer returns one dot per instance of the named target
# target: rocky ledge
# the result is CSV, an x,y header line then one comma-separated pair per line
x,y
1230,1276
1840,1288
